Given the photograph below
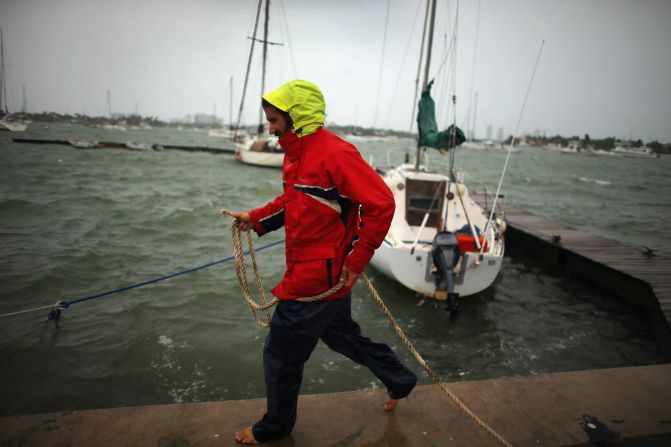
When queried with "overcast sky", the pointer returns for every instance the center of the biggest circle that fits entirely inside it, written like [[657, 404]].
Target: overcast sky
[[605, 69]]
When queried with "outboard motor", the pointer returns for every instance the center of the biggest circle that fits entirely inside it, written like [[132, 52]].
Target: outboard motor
[[445, 253]]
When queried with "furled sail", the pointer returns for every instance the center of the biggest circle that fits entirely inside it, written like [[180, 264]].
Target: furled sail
[[429, 136]]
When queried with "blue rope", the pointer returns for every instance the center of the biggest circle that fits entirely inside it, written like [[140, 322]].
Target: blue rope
[[64, 304]]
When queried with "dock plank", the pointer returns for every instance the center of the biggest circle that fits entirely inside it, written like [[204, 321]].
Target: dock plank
[[627, 260]]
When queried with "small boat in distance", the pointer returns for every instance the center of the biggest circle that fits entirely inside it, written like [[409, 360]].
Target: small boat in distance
[[6, 123], [261, 151], [637, 152], [12, 126]]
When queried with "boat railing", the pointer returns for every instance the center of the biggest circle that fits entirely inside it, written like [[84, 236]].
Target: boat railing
[[486, 193]]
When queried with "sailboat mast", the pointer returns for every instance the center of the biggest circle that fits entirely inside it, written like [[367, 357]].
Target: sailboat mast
[[230, 104], [419, 71], [263, 70], [249, 64], [425, 84], [3, 84]]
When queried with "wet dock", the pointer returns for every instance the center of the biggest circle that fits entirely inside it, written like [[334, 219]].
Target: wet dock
[[633, 273], [626, 406]]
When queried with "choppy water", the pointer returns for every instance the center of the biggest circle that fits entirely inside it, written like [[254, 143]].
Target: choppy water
[[76, 222]]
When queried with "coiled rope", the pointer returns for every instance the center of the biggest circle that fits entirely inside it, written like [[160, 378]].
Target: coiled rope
[[264, 305], [241, 272]]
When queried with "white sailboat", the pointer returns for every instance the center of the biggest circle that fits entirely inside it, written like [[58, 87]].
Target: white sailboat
[[636, 152], [6, 123], [441, 243], [12, 126], [261, 151]]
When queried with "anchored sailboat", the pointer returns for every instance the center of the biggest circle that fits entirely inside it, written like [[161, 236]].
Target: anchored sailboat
[[441, 243], [262, 151], [5, 122]]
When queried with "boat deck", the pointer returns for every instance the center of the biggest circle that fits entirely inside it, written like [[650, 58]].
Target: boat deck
[[633, 404], [629, 272]]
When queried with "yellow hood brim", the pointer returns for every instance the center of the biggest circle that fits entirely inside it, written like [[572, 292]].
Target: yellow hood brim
[[304, 103]]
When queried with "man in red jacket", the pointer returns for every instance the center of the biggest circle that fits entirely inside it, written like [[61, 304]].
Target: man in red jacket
[[336, 211]]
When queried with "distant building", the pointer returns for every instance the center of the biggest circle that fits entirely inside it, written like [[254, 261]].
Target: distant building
[[205, 119]]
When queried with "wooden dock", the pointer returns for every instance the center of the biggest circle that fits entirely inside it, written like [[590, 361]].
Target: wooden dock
[[640, 277], [119, 145]]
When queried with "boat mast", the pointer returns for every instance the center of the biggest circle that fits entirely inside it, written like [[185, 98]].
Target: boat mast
[[263, 69], [3, 84], [413, 118], [249, 64], [230, 104], [427, 65]]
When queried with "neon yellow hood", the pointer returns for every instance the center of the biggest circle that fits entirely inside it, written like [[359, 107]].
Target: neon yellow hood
[[303, 101]]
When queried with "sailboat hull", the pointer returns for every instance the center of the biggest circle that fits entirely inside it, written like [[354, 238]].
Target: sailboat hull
[[261, 152], [12, 126], [414, 271], [406, 253], [267, 159]]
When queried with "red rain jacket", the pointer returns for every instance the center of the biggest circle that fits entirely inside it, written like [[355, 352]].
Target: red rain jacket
[[335, 210]]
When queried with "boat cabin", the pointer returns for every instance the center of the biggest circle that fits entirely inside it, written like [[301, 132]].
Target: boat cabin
[[424, 196]]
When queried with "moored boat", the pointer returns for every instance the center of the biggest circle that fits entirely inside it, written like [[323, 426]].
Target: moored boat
[[431, 222], [637, 152], [261, 152], [441, 243]]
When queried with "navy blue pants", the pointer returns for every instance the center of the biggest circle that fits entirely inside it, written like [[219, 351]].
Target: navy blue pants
[[294, 331]]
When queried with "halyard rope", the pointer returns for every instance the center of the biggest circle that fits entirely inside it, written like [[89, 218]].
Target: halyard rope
[[264, 305]]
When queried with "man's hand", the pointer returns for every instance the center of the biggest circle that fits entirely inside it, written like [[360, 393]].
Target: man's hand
[[242, 220], [349, 276]]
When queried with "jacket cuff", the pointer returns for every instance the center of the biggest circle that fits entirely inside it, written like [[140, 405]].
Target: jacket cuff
[[258, 228], [358, 260]]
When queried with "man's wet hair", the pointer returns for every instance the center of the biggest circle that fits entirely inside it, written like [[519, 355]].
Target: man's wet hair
[[265, 104]]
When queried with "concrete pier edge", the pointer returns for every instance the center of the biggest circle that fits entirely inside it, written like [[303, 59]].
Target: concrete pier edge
[[634, 403]]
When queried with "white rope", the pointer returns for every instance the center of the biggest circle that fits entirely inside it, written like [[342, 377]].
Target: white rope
[[55, 305]]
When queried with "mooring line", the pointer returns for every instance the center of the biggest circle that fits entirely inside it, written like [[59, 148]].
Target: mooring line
[[241, 271], [64, 304]]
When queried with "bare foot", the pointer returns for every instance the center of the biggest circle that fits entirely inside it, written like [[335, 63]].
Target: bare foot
[[246, 437], [391, 404]]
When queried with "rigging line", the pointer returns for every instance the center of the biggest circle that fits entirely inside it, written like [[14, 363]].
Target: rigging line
[[453, 149], [379, 78], [400, 71], [64, 304], [470, 93], [447, 55], [512, 141], [444, 83], [249, 65], [291, 50], [447, 73]]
